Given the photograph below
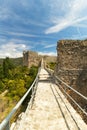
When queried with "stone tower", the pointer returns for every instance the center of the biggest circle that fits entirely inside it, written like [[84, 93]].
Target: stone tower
[[25, 58], [72, 64], [71, 57], [30, 58]]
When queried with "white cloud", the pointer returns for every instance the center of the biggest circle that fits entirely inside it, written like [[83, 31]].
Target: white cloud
[[72, 16], [64, 24], [77, 36], [12, 50], [48, 53], [50, 46], [81, 25], [2, 39], [21, 34], [4, 13]]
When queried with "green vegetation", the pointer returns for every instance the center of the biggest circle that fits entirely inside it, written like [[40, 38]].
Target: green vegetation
[[16, 61], [15, 79], [51, 65], [14, 82]]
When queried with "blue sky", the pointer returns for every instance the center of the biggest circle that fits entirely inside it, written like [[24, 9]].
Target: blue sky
[[38, 24]]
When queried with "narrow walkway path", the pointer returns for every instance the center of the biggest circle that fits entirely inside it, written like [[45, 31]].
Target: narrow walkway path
[[49, 111]]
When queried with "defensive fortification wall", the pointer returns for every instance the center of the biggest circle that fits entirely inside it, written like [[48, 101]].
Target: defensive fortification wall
[[72, 64], [30, 58]]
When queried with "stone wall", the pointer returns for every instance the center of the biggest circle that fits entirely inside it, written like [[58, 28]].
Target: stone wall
[[30, 58], [72, 63]]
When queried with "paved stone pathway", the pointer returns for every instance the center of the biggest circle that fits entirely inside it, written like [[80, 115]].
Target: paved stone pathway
[[49, 112]]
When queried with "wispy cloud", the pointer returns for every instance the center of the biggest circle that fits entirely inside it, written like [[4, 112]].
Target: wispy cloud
[[12, 50], [64, 24], [81, 25], [21, 34], [77, 37], [25, 34], [48, 53], [50, 46], [72, 17], [4, 13], [24, 24]]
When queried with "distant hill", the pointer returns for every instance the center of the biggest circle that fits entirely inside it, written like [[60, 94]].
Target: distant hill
[[49, 59], [34, 57], [16, 61], [1, 61]]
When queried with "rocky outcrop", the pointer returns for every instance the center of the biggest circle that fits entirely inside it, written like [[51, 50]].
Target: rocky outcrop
[[72, 64]]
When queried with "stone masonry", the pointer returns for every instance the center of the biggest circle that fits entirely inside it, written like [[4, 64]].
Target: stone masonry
[[30, 58], [72, 64]]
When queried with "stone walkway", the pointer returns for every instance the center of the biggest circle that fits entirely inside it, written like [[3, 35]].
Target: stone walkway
[[49, 112]]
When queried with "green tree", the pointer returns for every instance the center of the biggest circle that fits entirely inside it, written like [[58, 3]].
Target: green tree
[[1, 72], [7, 65], [33, 71], [52, 65], [2, 86]]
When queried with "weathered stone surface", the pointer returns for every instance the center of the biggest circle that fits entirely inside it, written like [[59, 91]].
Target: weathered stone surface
[[72, 64], [72, 54], [31, 58]]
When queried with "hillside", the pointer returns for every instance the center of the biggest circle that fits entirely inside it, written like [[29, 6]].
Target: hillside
[[49, 59], [31, 58], [15, 61]]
